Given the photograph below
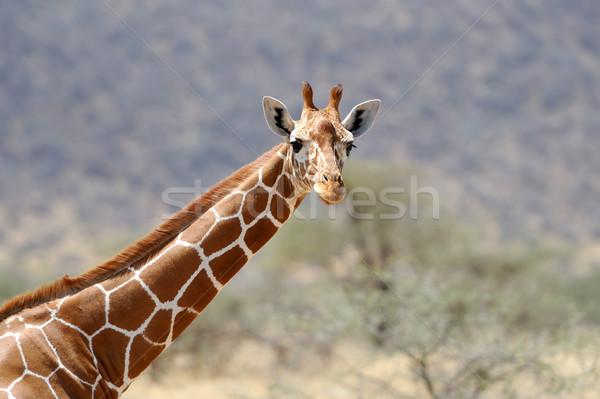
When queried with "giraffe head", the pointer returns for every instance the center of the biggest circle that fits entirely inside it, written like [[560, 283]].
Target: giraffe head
[[319, 142]]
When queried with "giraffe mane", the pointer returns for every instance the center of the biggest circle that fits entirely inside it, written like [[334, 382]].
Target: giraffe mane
[[140, 251]]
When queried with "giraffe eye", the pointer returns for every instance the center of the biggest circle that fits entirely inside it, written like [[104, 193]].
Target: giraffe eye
[[349, 148], [296, 145]]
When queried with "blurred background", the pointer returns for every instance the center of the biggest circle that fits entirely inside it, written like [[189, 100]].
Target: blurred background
[[105, 105]]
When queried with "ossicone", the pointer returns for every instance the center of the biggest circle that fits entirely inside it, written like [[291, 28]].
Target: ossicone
[[307, 95], [335, 97]]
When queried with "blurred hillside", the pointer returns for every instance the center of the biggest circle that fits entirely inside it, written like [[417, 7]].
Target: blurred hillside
[[94, 126]]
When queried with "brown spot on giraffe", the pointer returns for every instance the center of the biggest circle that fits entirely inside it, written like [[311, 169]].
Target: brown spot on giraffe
[[285, 187], [179, 265], [231, 206], [156, 331], [112, 361], [11, 360], [199, 293], [103, 391], [270, 178], [137, 306], [142, 353], [182, 320], [34, 387], [76, 310], [199, 228], [65, 386], [38, 317], [255, 204], [254, 237], [36, 357], [229, 230], [279, 208], [76, 356], [225, 266]]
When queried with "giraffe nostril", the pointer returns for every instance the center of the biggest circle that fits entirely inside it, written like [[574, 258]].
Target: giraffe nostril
[[333, 177]]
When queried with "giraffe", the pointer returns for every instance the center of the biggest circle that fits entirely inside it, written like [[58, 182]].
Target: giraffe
[[90, 336]]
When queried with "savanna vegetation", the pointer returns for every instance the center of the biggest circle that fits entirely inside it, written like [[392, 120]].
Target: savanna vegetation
[[398, 307], [383, 296]]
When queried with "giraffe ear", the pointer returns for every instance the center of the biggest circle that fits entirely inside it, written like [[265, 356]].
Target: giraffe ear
[[277, 116], [360, 119]]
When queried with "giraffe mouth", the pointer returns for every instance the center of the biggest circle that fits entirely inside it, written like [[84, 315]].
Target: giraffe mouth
[[330, 195], [328, 202]]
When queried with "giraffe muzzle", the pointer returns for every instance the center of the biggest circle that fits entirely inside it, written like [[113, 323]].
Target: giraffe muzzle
[[330, 187]]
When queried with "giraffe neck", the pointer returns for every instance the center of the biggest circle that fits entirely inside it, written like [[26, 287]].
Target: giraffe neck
[[116, 328]]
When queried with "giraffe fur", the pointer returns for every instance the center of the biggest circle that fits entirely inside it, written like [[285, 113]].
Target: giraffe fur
[[91, 338]]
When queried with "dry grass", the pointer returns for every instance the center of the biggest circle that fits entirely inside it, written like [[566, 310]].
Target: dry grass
[[350, 371]]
